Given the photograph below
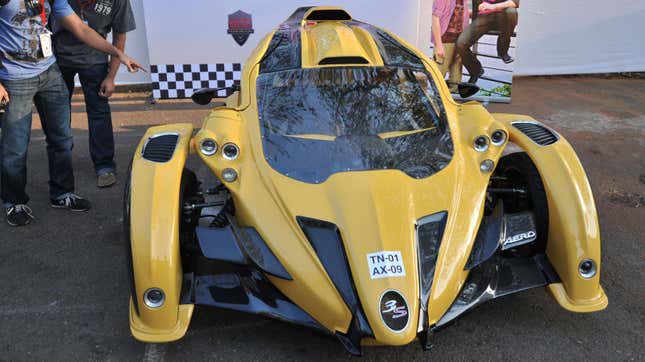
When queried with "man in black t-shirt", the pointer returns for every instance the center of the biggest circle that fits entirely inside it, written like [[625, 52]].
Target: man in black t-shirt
[[500, 15], [96, 75]]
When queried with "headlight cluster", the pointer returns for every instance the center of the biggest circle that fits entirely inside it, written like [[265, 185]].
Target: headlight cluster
[[482, 143], [429, 234], [209, 147], [230, 152]]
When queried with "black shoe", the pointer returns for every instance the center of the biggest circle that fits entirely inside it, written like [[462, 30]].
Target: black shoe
[[72, 202], [19, 215], [507, 58], [474, 78]]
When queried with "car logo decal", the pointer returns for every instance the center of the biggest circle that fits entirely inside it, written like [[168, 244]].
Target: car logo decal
[[394, 310], [240, 26], [519, 239]]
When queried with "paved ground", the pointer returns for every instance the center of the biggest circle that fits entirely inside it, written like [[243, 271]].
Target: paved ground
[[64, 290]]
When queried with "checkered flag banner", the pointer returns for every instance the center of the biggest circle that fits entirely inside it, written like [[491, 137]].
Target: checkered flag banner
[[182, 80]]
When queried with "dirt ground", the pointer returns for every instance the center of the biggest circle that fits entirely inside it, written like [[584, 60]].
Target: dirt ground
[[64, 286]]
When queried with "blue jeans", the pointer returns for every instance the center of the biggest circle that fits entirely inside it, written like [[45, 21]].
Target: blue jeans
[[98, 114], [50, 95]]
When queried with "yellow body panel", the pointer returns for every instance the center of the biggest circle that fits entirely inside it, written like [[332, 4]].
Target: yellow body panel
[[154, 234], [331, 40], [374, 210], [143, 332]]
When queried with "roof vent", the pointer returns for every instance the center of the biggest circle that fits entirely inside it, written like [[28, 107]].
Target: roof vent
[[328, 14], [343, 60]]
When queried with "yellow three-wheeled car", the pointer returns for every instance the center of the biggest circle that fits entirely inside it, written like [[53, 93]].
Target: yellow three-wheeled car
[[355, 197]]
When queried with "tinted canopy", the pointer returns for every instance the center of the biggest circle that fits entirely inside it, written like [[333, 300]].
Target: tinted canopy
[[319, 121]]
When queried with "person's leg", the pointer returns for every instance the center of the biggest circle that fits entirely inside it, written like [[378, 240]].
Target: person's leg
[[99, 118], [442, 63], [52, 102], [470, 35], [68, 77], [16, 131], [506, 23], [454, 65]]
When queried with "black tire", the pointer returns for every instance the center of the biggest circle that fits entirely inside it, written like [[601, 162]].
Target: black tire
[[519, 171], [127, 243], [188, 192]]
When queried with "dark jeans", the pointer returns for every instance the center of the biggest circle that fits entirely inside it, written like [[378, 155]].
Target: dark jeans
[[99, 115], [49, 93], [504, 22]]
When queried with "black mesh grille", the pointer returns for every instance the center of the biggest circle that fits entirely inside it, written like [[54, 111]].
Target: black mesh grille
[[160, 148], [536, 132]]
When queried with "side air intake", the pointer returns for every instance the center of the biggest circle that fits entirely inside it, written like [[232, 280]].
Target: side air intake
[[537, 133], [329, 14], [160, 148]]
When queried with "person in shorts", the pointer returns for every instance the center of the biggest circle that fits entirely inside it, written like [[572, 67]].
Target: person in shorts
[[449, 19]]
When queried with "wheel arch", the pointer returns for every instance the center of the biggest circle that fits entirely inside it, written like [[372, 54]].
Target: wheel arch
[[574, 232], [154, 192]]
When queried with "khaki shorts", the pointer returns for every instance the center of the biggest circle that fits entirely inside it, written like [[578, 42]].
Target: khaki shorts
[[451, 64]]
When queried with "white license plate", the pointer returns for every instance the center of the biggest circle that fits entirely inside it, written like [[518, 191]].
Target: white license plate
[[385, 264]]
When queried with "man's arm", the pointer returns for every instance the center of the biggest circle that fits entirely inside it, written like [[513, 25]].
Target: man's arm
[[4, 96], [436, 35], [107, 87], [84, 33], [499, 6]]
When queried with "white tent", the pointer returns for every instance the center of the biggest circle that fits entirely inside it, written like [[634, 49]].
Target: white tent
[[564, 37]]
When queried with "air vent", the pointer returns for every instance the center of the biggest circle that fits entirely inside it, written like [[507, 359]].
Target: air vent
[[343, 60], [160, 148], [327, 243], [332, 14], [537, 132]]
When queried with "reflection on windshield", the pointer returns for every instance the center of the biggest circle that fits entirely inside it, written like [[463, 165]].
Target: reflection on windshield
[[320, 121]]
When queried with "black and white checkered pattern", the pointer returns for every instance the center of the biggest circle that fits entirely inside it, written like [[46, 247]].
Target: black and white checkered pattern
[[181, 80]]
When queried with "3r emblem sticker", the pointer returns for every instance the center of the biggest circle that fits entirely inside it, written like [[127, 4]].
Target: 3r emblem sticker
[[394, 310]]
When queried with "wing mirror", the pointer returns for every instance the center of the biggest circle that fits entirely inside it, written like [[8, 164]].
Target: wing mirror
[[204, 96], [467, 90]]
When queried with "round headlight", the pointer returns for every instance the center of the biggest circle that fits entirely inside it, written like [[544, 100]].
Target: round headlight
[[487, 166], [230, 151], [208, 147], [229, 175], [498, 137], [154, 297], [587, 268], [481, 143]]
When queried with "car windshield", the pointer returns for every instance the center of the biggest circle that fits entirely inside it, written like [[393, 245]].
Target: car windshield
[[319, 121]]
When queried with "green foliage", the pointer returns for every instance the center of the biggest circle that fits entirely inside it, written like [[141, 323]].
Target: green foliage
[[502, 91]]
